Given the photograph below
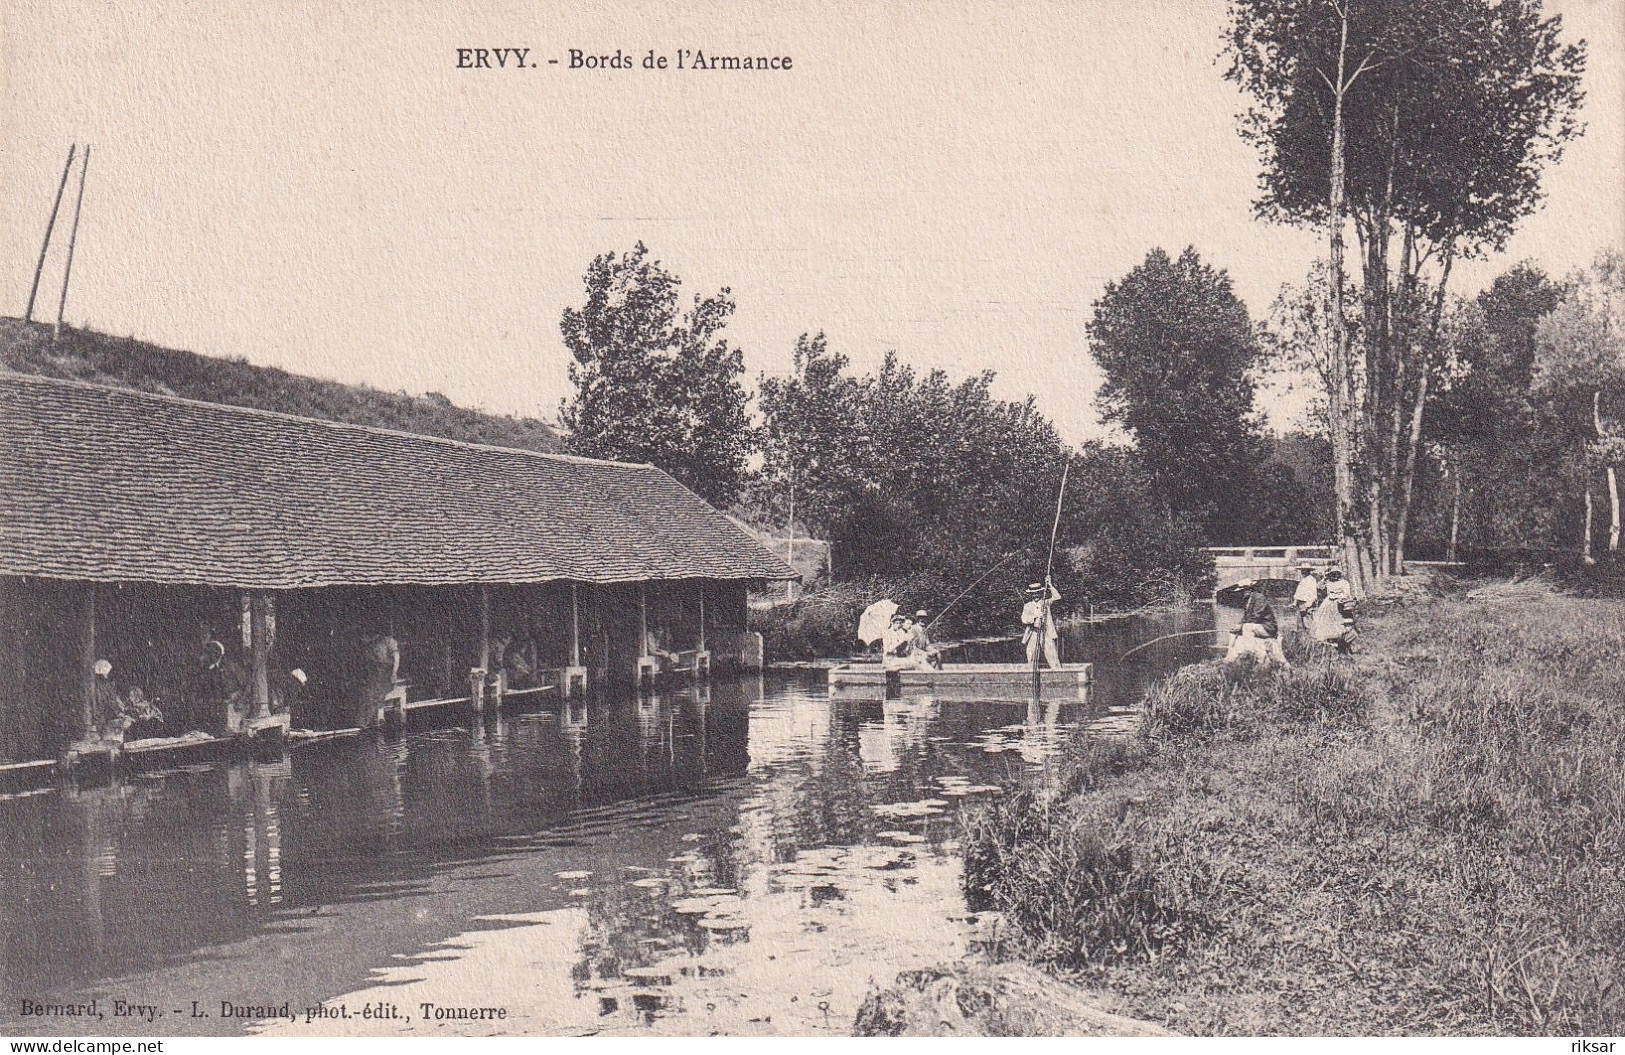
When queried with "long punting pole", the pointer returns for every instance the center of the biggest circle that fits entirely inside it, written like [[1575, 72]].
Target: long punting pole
[[50, 225], [1055, 527], [73, 236], [1049, 566]]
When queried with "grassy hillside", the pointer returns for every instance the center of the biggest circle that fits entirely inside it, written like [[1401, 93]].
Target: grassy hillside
[[84, 355]]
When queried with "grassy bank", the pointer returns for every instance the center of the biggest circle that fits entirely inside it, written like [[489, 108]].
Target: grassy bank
[[1426, 840], [124, 362]]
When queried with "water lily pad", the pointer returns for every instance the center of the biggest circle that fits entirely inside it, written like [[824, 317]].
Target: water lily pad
[[713, 924], [901, 837], [571, 875]]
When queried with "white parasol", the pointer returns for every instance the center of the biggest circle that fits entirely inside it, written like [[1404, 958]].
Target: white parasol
[[875, 619]]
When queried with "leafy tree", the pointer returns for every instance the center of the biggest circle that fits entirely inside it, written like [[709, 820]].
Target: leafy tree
[[1177, 349], [813, 441], [1427, 124], [652, 384], [1128, 553], [909, 474], [1580, 358], [1484, 430]]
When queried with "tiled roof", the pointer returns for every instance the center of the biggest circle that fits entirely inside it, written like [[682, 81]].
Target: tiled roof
[[112, 485]]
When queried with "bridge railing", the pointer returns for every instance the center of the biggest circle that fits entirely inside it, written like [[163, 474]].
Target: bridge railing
[[1288, 554]]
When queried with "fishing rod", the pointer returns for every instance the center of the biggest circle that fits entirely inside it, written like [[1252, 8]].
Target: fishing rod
[[1165, 637], [971, 587]]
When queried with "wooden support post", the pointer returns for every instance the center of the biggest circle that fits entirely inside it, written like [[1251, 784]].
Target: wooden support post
[[477, 691], [643, 620], [647, 666], [575, 674], [702, 616], [73, 237], [259, 630], [575, 627], [87, 663], [50, 225]]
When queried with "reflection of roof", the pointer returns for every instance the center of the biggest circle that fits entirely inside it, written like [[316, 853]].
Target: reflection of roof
[[112, 485]]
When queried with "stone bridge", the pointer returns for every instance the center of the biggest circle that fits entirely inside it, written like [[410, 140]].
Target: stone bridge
[[1232, 564]]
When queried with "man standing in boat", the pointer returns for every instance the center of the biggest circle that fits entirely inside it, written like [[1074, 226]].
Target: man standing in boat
[[1038, 624]]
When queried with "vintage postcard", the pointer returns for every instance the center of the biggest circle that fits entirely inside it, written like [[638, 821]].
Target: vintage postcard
[[811, 519]]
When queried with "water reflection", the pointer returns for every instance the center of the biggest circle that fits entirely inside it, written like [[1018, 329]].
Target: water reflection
[[740, 858]]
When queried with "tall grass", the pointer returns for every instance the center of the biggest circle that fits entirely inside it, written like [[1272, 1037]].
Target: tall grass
[[1430, 840], [124, 362]]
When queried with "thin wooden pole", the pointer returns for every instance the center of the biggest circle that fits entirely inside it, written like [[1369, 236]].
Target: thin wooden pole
[[643, 620], [702, 615], [485, 628], [1055, 528], [50, 225], [575, 627], [87, 662], [73, 236], [259, 630], [1049, 567], [477, 691]]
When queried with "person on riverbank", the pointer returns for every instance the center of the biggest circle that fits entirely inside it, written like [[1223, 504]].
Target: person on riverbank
[[1259, 635], [1334, 619], [1038, 624], [1307, 595]]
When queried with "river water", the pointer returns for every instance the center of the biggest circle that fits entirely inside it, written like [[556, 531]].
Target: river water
[[743, 858]]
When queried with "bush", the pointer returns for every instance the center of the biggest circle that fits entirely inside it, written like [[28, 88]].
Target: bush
[[1075, 891], [1245, 699], [823, 623]]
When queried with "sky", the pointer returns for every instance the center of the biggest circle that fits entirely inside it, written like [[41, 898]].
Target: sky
[[319, 187]]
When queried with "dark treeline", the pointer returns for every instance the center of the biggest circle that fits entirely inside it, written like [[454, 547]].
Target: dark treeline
[[1519, 431], [923, 483]]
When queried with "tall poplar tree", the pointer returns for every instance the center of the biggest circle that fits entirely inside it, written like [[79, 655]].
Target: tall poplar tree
[[1424, 126]]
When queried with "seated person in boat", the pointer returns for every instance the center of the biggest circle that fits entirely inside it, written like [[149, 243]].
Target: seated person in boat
[[1038, 624], [1259, 635], [919, 639], [897, 650]]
